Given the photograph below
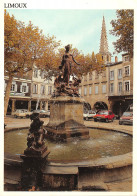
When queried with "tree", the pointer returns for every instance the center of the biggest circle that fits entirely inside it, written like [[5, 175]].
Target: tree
[[123, 28], [24, 46], [88, 63]]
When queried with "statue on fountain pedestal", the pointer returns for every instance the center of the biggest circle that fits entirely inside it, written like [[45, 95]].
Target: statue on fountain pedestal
[[67, 60], [62, 82]]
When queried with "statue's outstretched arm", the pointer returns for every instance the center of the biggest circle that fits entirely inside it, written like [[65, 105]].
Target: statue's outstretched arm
[[75, 61]]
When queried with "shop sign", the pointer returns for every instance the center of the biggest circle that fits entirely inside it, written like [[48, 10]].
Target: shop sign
[[127, 98]]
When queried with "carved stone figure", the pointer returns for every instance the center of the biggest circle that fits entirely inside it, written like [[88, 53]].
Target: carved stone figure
[[36, 138]]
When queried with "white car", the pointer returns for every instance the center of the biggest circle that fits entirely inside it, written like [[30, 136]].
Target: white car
[[42, 113], [21, 113], [89, 114]]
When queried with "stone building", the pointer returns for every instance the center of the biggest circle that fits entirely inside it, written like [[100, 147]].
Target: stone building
[[20, 93], [29, 92], [113, 88], [120, 94], [41, 90]]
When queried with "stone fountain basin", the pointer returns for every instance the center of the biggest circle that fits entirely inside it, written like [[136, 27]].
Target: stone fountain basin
[[87, 174]]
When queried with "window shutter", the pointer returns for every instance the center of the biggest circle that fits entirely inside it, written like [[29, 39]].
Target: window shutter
[[36, 88], [27, 89], [96, 89], [104, 88], [21, 88], [33, 88], [15, 87]]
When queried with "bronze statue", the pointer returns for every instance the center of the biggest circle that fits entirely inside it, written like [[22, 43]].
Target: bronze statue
[[67, 60], [62, 82]]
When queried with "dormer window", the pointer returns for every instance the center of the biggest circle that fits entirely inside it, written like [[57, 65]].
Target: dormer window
[[126, 58]]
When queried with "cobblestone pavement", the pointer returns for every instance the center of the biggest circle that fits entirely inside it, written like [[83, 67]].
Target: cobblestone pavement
[[12, 122]]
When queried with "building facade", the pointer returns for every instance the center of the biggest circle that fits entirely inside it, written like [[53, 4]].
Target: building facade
[[30, 92], [120, 94], [20, 93], [41, 90], [113, 88]]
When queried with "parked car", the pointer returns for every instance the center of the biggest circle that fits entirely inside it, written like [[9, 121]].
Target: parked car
[[126, 118], [21, 113], [88, 114], [43, 113], [104, 115]]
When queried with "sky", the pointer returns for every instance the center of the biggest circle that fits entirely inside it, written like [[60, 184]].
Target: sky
[[79, 27]]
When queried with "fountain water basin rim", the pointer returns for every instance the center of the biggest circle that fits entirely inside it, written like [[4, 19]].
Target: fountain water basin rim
[[107, 162]]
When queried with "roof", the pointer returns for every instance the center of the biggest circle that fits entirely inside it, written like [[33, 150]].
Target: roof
[[112, 64]]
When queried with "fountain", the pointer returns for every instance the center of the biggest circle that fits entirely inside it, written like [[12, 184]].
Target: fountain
[[66, 107], [80, 158]]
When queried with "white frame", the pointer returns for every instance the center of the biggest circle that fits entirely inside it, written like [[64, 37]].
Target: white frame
[[80, 90], [104, 90], [96, 90], [36, 89], [14, 83], [125, 86], [21, 88], [129, 70], [112, 78], [90, 89], [120, 76], [42, 90], [110, 88], [49, 91], [119, 88], [85, 90]]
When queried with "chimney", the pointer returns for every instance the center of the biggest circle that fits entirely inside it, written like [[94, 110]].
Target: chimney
[[116, 59]]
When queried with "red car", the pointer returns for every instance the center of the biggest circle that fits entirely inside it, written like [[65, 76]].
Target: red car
[[104, 115]]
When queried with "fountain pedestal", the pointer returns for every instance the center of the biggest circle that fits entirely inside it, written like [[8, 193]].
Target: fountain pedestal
[[66, 119], [35, 155]]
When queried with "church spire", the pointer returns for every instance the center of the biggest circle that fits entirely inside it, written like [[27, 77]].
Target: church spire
[[104, 51]]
